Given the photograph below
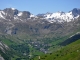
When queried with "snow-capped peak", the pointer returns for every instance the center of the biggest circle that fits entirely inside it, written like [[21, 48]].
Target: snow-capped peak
[[60, 16], [13, 8]]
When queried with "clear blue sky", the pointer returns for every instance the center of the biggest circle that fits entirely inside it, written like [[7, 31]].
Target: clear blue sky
[[41, 6]]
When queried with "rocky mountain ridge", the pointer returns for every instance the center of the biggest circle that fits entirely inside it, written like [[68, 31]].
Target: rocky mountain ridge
[[13, 14], [42, 32], [13, 21]]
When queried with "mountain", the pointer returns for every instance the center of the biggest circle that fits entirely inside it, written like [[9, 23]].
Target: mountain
[[4, 49], [12, 21], [69, 52], [29, 35], [14, 14], [61, 16], [71, 39]]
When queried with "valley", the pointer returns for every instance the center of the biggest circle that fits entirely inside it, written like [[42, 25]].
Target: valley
[[46, 35]]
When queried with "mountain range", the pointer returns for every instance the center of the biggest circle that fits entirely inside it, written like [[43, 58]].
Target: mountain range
[[60, 16], [26, 34]]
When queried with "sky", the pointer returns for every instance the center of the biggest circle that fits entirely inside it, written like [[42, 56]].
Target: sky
[[40, 6]]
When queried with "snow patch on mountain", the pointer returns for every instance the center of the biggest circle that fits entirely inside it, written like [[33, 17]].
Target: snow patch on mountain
[[20, 14], [13, 8], [32, 15], [50, 17], [1, 14], [60, 17], [16, 17]]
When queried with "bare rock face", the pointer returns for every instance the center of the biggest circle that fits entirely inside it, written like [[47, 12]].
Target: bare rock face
[[25, 15], [15, 22], [3, 47], [9, 13], [1, 58], [3, 50], [76, 12]]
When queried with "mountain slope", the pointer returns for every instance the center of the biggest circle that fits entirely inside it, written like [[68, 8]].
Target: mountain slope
[[71, 39], [61, 16], [11, 50], [12, 14], [27, 34], [4, 51], [69, 52]]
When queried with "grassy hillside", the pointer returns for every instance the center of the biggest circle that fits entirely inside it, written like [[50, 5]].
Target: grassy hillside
[[69, 52]]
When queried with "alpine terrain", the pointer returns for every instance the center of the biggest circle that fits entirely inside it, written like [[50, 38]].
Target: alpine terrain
[[25, 36]]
